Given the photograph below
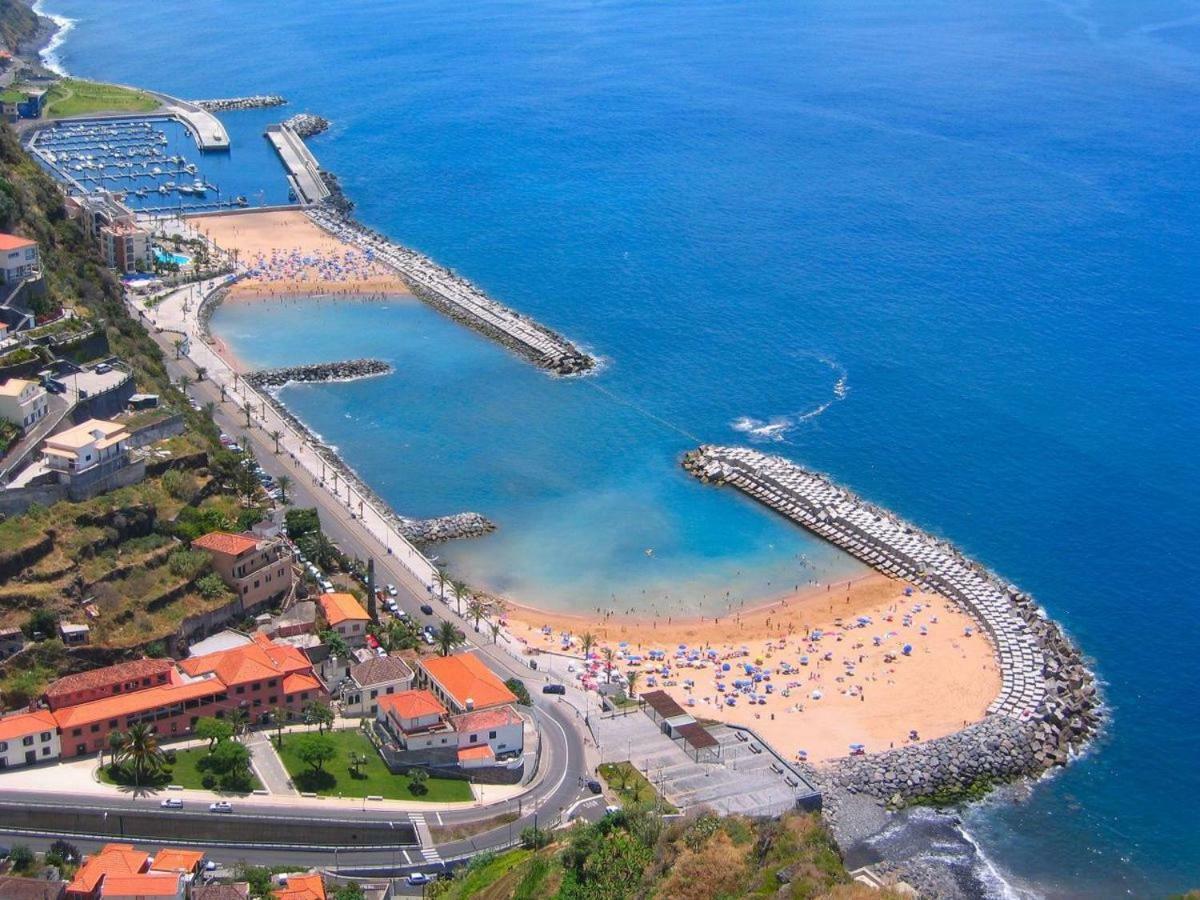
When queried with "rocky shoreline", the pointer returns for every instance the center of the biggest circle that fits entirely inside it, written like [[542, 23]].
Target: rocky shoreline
[[1049, 706], [307, 125], [341, 370]]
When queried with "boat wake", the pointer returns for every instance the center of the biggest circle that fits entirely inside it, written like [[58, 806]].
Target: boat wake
[[778, 428], [49, 54]]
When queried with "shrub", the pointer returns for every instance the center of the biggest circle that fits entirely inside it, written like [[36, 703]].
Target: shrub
[[42, 621], [209, 781], [180, 485], [21, 857], [170, 757], [534, 838], [517, 686], [211, 586], [188, 564]]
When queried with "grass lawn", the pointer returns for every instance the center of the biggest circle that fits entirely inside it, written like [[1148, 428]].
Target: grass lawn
[[631, 786], [186, 772], [373, 777], [76, 97]]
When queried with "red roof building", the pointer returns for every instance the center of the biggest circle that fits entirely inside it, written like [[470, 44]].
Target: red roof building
[[123, 678]]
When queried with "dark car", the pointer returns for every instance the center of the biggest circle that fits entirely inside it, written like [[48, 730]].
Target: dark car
[[427, 609], [554, 689], [594, 786]]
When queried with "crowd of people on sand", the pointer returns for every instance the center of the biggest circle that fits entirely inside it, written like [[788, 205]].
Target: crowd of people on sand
[[328, 268], [779, 675]]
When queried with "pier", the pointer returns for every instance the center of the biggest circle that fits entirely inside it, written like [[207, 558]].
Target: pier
[[304, 173], [206, 128], [461, 300]]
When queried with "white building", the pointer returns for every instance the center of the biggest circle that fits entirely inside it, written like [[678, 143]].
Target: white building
[[28, 738], [23, 402], [419, 722], [368, 682], [77, 450], [18, 258]]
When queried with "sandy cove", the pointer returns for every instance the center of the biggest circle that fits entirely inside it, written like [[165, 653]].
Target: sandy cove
[[289, 255], [868, 693]]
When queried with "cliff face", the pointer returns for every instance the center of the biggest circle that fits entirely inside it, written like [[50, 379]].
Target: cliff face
[[18, 24]]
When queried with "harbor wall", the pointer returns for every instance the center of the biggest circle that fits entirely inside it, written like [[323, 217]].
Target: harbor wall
[[1048, 707]]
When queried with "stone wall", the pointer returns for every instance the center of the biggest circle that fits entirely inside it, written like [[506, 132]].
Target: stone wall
[[157, 431]]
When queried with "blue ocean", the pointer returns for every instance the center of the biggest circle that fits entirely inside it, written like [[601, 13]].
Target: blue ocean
[[947, 252]]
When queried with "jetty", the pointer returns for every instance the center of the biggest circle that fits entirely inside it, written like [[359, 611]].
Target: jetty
[[303, 171], [1048, 706], [307, 125], [460, 299], [314, 373], [226, 104], [208, 132]]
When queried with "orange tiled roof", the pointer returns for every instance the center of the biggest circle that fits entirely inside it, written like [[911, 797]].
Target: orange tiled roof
[[484, 719], [302, 887], [464, 677], [262, 658], [171, 859], [15, 242], [113, 859], [340, 608], [224, 542], [412, 704], [136, 701], [483, 751], [298, 681], [22, 724], [109, 675], [140, 886]]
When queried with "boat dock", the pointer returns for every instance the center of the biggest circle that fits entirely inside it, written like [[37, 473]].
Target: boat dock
[[207, 130], [304, 173], [460, 299], [893, 547]]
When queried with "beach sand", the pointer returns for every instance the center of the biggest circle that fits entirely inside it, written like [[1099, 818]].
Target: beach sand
[[295, 257], [946, 682]]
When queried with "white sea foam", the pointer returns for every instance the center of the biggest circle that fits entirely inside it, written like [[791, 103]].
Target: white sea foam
[[49, 54], [777, 428]]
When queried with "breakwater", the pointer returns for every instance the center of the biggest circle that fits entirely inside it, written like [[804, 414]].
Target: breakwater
[[1048, 706], [461, 300], [304, 173], [306, 124], [342, 370], [257, 101]]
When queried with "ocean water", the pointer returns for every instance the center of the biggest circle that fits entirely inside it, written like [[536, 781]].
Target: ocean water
[[946, 252]]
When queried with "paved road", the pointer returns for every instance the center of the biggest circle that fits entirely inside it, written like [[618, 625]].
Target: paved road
[[268, 765]]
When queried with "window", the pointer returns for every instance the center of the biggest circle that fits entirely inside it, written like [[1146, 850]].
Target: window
[[27, 741], [374, 694], [474, 738], [491, 735], [273, 699], [96, 728], [3, 746], [272, 682], [112, 723], [45, 751], [240, 689], [77, 732]]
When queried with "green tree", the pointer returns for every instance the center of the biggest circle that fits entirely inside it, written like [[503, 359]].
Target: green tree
[[140, 750], [608, 661], [631, 679], [476, 609], [349, 891], [336, 643], [231, 758], [517, 686], [320, 714], [42, 622], [417, 779], [211, 586], [586, 642], [314, 750], [301, 522], [239, 721], [461, 592], [275, 436], [448, 637], [21, 858], [442, 580], [115, 741], [213, 730], [284, 483], [279, 714]]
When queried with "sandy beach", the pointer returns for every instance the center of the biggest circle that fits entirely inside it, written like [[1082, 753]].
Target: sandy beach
[[288, 255], [835, 654]]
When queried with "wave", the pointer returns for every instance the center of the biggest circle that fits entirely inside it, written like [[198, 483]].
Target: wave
[[777, 428], [49, 54]]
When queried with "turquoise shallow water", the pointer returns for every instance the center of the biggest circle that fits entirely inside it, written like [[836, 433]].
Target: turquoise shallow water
[[980, 219]]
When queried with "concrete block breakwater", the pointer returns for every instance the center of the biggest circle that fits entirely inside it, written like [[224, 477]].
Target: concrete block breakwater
[[306, 124], [461, 300], [343, 370], [1048, 706], [258, 101]]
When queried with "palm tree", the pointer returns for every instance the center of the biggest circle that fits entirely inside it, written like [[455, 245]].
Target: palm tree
[[279, 716], [184, 381], [441, 579], [139, 747], [209, 408], [200, 373], [284, 483], [275, 436], [495, 626], [586, 643], [178, 347], [631, 680], [115, 741], [240, 720], [448, 637], [608, 661], [461, 592], [476, 609], [246, 409]]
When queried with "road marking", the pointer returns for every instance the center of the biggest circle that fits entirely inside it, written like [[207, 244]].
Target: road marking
[[438, 816]]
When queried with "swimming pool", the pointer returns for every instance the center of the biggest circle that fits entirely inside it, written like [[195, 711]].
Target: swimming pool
[[178, 258]]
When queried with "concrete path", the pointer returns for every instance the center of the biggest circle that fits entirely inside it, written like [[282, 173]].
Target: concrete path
[[268, 766]]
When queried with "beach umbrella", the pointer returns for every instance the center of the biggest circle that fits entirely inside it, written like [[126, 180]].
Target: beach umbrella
[[906, 649], [725, 667]]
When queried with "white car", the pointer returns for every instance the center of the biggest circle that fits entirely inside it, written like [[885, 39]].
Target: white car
[[391, 589], [172, 803], [417, 878], [221, 806], [609, 810]]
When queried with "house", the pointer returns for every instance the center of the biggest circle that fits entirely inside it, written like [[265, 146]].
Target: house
[[92, 449], [417, 722], [239, 890], [346, 616], [122, 872], [378, 677], [28, 738], [171, 861], [73, 635], [23, 402], [14, 887], [257, 570], [19, 258], [307, 886], [122, 678], [464, 683], [12, 640], [486, 733], [257, 677]]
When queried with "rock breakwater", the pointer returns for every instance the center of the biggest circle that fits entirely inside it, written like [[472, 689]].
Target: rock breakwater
[[460, 299], [307, 125], [445, 528], [225, 104], [342, 370], [1048, 706]]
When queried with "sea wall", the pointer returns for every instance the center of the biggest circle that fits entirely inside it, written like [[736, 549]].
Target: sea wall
[[1048, 706], [460, 299], [343, 370], [224, 104]]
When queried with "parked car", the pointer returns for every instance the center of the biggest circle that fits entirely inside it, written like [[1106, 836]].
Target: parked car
[[609, 810], [417, 878], [554, 689], [594, 786], [391, 589], [172, 803], [427, 638], [427, 609], [221, 806]]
